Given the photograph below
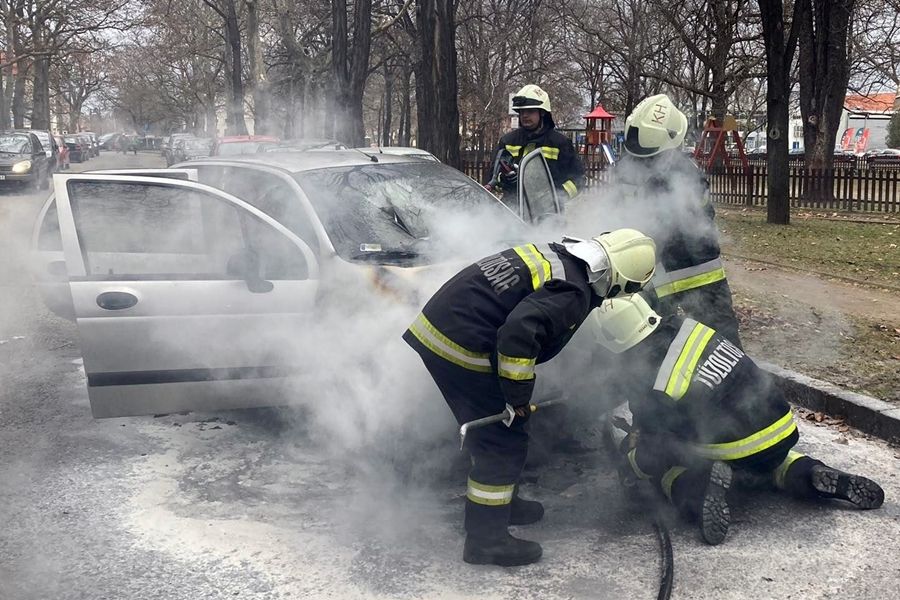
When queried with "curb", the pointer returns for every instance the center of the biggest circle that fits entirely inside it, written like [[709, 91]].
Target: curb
[[865, 413]]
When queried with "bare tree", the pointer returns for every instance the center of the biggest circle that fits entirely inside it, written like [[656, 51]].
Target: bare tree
[[780, 48]]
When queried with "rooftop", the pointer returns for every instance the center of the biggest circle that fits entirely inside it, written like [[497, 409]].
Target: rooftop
[[873, 103]]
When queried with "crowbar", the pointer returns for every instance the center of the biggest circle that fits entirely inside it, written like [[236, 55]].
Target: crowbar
[[506, 417]]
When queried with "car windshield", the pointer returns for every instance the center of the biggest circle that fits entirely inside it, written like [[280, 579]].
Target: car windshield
[[197, 144], [405, 210], [13, 144], [231, 148]]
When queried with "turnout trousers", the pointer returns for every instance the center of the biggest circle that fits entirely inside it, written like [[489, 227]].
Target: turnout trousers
[[498, 452]]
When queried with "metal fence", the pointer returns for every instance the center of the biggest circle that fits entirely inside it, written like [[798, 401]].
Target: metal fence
[[855, 185]]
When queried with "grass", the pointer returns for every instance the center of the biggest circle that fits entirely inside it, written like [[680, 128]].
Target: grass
[[862, 251], [854, 352]]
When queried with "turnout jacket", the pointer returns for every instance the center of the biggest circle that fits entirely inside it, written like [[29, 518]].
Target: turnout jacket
[[565, 166], [506, 313], [670, 199], [707, 391]]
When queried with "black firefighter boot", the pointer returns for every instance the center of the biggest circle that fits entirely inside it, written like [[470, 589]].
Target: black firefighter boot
[[524, 512], [808, 476], [711, 509], [488, 542]]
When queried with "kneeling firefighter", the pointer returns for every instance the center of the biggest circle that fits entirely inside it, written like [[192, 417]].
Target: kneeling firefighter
[[703, 408], [480, 337]]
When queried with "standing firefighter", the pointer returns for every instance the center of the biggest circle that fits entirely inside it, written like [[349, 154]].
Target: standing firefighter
[[664, 191], [703, 408], [481, 336], [537, 130]]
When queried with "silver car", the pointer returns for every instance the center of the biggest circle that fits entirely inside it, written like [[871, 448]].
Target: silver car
[[202, 295]]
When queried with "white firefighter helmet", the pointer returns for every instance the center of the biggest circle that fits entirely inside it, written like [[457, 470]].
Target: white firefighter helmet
[[623, 322], [654, 126], [531, 96], [617, 261]]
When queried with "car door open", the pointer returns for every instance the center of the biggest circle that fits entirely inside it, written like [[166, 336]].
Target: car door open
[[537, 192], [186, 298]]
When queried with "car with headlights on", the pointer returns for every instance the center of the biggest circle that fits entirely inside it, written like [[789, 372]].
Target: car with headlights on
[[23, 160], [205, 286]]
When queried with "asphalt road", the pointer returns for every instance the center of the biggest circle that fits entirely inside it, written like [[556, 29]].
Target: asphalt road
[[258, 504]]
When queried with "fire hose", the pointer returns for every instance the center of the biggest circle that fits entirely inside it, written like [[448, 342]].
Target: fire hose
[[667, 572]]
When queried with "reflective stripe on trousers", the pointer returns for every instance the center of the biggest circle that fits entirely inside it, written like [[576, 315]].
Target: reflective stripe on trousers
[[489, 495], [752, 444]]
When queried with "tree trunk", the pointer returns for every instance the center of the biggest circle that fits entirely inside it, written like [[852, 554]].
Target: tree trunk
[[40, 93], [259, 83], [779, 56], [350, 68], [436, 81], [386, 134], [403, 130], [18, 99], [74, 116], [235, 122], [824, 74]]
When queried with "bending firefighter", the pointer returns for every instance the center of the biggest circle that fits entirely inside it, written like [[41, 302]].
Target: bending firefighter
[[536, 130], [662, 187], [703, 409], [481, 336]]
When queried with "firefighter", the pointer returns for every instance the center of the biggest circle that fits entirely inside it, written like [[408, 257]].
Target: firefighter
[[705, 408], [537, 130], [480, 337], [661, 187]]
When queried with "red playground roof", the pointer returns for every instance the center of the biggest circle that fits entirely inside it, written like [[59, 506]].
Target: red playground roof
[[598, 113]]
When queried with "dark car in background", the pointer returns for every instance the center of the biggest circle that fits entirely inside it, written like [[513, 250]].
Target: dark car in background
[[23, 160], [51, 149], [78, 148], [190, 149], [93, 142]]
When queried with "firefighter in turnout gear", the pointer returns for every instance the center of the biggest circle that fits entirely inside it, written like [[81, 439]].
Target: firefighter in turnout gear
[[480, 337], [537, 130], [663, 190], [703, 408]]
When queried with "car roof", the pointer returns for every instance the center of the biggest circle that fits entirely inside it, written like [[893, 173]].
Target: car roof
[[297, 162], [246, 138]]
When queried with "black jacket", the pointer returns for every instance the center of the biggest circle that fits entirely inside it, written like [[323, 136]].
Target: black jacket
[[565, 165], [506, 313], [668, 200], [687, 379]]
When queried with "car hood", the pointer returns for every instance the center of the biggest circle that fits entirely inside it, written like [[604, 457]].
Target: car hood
[[11, 160]]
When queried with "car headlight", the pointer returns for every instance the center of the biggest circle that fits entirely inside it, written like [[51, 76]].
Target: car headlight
[[22, 167]]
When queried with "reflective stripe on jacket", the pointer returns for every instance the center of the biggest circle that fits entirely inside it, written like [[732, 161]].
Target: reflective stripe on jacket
[[507, 313]]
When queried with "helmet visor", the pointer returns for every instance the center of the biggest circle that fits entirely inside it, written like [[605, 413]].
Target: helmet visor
[[633, 144], [525, 102]]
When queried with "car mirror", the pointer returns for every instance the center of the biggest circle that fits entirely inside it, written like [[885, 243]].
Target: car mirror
[[245, 265]]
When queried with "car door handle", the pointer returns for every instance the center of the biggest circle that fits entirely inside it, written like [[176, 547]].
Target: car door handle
[[116, 300]]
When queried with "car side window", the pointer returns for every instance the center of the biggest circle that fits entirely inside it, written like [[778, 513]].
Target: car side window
[[149, 231], [273, 196]]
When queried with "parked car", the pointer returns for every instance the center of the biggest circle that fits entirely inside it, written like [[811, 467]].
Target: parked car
[[93, 142], [401, 151], [107, 141], [254, 259], [23, 160], [168, 146], [242, 144], [64, 163], [51, 149], [78, 150], [304, 145], [884, 157], [191, 148]]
